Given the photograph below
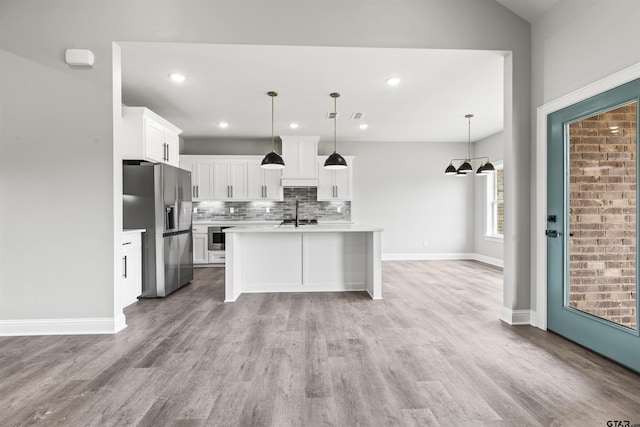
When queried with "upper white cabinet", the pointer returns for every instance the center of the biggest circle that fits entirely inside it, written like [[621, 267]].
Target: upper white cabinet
[[147, 136], [335, 184], [263, 184], [299, 154], [230, 179], [201, 176]]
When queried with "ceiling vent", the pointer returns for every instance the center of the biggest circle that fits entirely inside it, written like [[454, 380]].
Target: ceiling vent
[[332, 115], [357, 116]]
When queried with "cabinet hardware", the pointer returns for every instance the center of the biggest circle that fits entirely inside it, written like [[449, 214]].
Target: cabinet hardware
[[231, 191], [197, 191], [124, 270], [126, 243], [552, 233], [193, 191]]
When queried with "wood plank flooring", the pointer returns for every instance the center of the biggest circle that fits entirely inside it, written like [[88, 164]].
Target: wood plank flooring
[[431, 353]]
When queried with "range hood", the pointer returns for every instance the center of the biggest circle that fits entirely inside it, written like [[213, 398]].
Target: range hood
[[300, 154]]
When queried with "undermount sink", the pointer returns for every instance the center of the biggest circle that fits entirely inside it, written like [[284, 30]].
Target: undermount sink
[[294, 226]]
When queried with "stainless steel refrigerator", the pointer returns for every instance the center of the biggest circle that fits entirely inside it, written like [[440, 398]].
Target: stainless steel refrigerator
[[157, 197]]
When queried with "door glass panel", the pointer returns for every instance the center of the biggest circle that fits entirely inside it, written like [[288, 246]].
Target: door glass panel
[[602, 215]]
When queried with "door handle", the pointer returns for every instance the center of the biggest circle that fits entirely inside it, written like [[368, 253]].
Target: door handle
[[552, 233]]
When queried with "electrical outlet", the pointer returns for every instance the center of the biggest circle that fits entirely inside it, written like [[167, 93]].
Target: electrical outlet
[[195, 210], [425, 243], [339, 209], [231, 210], [268, 209]]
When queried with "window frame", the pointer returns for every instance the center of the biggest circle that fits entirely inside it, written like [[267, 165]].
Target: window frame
[[491, 205]]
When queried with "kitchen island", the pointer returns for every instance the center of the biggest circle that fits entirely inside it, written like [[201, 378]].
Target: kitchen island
[[312, 258]]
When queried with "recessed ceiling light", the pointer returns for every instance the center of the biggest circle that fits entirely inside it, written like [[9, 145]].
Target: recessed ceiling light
[[223, 125], [394, 81], [177, 77], [363, 126], [293, 125]]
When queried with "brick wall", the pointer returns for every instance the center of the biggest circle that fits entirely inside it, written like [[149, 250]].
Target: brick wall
[[602, 215]]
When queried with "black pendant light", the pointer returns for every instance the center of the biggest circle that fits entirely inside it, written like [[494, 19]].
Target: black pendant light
[[465, 167], [335, 160], [272, 160]]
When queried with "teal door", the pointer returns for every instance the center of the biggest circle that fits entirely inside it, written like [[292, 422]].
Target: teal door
[[592, 280]]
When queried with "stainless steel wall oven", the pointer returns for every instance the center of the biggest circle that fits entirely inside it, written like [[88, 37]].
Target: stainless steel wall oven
[[215, 238]]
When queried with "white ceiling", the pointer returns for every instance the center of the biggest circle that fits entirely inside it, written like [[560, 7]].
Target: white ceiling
[[530, 10], [229, 83]]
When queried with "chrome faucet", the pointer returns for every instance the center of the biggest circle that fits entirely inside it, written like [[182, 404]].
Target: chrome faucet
[[297, 206]]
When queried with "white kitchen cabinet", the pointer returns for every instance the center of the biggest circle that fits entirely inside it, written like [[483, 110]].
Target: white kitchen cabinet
[[201, 176], [131, 267], [147, 136], [200, 245], [299, 154], [335, 184], [263, 184], [230, 179]]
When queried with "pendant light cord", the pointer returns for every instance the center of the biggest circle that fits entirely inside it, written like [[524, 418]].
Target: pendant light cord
[[469, 140], [273, 143], [335, 124]]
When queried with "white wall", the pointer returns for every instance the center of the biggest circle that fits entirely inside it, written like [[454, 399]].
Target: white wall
[[57, 161], [402, 187], [491, 147], [573, 45]]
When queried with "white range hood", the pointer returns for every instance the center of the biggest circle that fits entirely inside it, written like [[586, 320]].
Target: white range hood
[[300, 155]]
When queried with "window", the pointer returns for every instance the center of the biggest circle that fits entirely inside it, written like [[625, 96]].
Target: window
[[495, 203]]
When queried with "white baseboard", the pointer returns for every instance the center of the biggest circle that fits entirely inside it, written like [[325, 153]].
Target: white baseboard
[[516, 317], [87, 326], [436, 256]]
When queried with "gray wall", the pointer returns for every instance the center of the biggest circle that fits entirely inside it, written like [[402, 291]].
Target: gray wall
[[57, 140], [491, 147], [575, 44]]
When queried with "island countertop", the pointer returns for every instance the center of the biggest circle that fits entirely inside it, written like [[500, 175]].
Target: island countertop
[[289, 228]]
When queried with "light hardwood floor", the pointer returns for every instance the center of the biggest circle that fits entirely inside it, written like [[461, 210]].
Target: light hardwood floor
[[432, 353]]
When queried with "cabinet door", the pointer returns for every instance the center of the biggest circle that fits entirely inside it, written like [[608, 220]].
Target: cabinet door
[[173, 147], [325, 182], [272, 185], [255, 183], [221, 182], [238, 180], [191, 166], [200, 251], [204, 180], [342, 184], [154, 141]]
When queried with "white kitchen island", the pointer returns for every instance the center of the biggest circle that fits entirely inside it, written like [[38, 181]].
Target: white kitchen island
[[311, 258]]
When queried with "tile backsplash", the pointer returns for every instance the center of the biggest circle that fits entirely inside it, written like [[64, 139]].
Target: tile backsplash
[[309, 208]]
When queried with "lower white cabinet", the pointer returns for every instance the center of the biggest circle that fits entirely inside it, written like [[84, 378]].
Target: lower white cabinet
[[131, 267], [200, 245]]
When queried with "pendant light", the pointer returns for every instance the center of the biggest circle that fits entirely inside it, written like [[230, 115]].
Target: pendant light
[[272, 160], [335, 160], [465, 167]]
